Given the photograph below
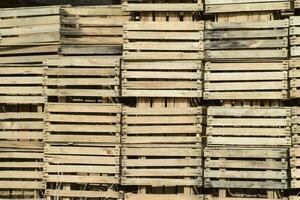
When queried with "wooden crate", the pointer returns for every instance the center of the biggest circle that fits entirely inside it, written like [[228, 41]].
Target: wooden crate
[[28, 27], [246, 80], [209, 197], [21, 83], [147, 5], [21, 155], [162, 79], [296, 126], [249, 168], [162, 146], [133, 196], [294, 197], [246, 40], [82, 149], [294, 76], [159, 40], [162, 126], [216, 6], [295, 167], [92, 30], [241, 126], [83, 123], [82, 77], [162, 166], [294, 36], [296, 4], [29, 35]]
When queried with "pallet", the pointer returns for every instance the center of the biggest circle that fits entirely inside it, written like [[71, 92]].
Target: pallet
[[295, 126], [246, 80], [21, 155], [21, 83], [147, 6], [295, 167], [249, 168], [92, 30], [246, 40], [296, 4], [82, 150], [82, 77], [159, 40], [229, 6], [133, 196], [241, 126], [30, 26], [162, 79]]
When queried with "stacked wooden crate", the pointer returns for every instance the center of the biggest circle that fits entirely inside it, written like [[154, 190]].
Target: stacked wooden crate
[[162, 68], [83, 118], [246, 69], [92, 30], [28, 35]]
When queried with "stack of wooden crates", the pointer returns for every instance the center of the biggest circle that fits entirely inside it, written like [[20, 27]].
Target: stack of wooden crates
[[28, 36], [162, 132], [246, 70]]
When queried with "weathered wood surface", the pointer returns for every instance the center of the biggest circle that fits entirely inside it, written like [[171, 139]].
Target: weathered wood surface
[[294, 76], [162, 79], [295, 167], [246, 80], [162, 126], [21, 155], [240, 126], [162, 166], [294, 36], [132, 196], [29, 26], [247, 168], [95, 30], [246, 40], [296, 126], [21, 83], [83, 123], [147, 5], [82, 77], [159, 40], [223, 6]]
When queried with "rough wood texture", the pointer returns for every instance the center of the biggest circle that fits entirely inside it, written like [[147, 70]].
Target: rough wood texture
[[246, 80], [159, 40], [21, 155], [92, 30], [294, 76], [173, 5], [246, 40], [247, 168], [295, 167], [162, 79], [131, 196], [82, 149], [296, 126], [21, 83], [82, 77], [240, 126], [294, 36], [162, 146], [223, 6]]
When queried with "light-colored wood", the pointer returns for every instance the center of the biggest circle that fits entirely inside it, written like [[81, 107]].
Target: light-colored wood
[[93, 30], [249, 40], [240, 126], [217, 6], [235, 168], [82, 77]]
